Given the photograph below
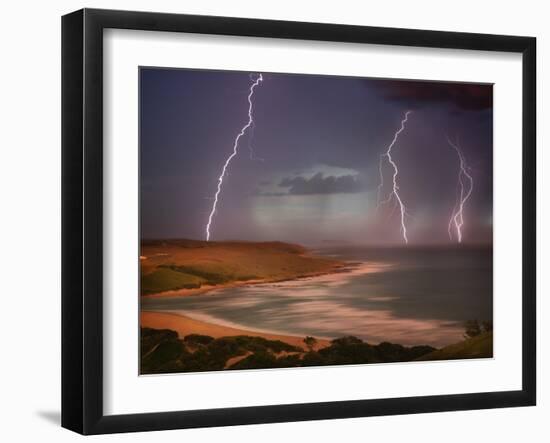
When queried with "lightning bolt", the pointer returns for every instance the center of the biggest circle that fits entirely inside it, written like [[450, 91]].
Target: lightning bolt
[[243, 130], [253, 155], [457, 216], [395, 189]]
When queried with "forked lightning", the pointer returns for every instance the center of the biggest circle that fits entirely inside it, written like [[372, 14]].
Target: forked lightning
[[249, 124]]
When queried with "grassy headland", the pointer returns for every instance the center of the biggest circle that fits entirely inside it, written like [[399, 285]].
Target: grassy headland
[[480, 346], [181, 267], [164, 351]]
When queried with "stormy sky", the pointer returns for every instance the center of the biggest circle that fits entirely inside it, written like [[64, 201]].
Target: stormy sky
[[309, 170]]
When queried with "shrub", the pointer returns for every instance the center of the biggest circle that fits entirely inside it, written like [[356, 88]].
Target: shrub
[[258, 360], [313, 359], [166, 354], [346, 341], [310, 342], [197, 339], [418, 351], [349, 352], [151, 337], [487, 326], [472, 329]]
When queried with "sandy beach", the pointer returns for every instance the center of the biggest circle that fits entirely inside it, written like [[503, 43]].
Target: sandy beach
[[185, 326]]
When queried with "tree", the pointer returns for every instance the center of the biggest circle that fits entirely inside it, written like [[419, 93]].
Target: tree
[[487, 326], [310, 342], [472, 329]]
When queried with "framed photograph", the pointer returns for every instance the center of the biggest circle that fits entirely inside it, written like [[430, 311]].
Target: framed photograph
[[269, 221]]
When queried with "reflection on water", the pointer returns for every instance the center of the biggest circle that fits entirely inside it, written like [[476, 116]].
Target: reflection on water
[[408, 296]]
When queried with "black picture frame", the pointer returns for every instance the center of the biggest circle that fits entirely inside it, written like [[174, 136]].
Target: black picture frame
[[82, 220]]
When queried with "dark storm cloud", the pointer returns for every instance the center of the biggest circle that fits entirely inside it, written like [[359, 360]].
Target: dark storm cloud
[[464, 96], [321, 184]]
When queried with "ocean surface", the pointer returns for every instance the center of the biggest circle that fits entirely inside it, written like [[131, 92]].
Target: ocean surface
[[409, 296]]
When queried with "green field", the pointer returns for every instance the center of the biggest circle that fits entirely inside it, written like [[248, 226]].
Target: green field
[[480, 346], [165, 278], [188, 264]]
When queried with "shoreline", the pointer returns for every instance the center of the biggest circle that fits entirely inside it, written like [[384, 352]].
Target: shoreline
[[342, 267], [185, 326]]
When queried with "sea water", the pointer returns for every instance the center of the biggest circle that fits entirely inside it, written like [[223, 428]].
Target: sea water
[[409, 296]]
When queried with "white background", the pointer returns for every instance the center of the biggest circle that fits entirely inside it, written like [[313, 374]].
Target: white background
[[30, 190]]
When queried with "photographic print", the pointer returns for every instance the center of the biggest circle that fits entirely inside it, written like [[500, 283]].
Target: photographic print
[[292, 220]]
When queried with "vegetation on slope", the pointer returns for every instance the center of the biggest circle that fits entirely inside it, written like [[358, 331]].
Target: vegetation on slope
[[163, 352], [165, 278], [188, 264], [479, 346]]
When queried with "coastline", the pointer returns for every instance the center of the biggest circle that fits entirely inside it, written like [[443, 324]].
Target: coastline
[[338, 268], [185, 326], [235, 322]]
